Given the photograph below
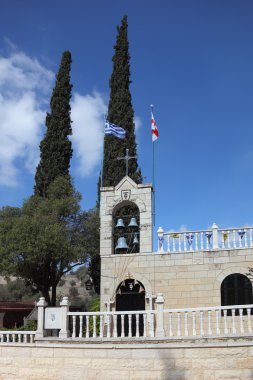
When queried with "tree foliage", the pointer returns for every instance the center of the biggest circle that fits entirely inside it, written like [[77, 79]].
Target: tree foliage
[[120, 112], [43, 240], [55, 148]]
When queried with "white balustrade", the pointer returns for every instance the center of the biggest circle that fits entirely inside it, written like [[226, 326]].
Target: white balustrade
[[212, 239], [20, 337], [209, 322]]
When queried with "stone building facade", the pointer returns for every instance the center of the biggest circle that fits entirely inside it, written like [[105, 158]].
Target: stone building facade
[[186, 279]]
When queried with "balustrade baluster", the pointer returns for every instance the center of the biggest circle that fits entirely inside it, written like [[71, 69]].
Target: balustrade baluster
[[101, 321], [194, 323], [8, 338], [81, 326], [249, 320], [137, 326], [87, 326], [145, 325], [108, 327], [115, 325], [250, 237], [209, 322], [246, 238], [170, 325], [228, 238], [217, 314], [129, 325], [223, 240], [241, 321], [94, 335], [186, 323], [234, 239], [179, 243], [201, 240], [185, 247], [168, 242], [178, 324], [13, 338], [233, 322], [1, 338], [31, 338], [25, 338], [74, 326], [122, 326], [173, 245], [240, 240], [19, 338], [201, 323], [196, 242], [152, 326], [225, 322]]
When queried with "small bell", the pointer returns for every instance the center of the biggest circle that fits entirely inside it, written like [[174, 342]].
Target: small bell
[[122, 244], [133, 222], [135, 241], [120, 223]]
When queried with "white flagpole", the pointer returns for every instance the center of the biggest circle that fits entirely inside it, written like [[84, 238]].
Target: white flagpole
[[103, 148], [153, 166]]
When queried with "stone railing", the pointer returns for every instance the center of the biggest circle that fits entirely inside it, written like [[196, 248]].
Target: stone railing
[[211, 239], [193, 323], [17, 336], [209, 322]]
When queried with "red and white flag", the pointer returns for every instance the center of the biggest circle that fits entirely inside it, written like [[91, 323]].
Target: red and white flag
[[154, 129]]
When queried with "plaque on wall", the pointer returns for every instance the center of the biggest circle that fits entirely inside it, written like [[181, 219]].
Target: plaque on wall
[[125, 195], [53, 318]]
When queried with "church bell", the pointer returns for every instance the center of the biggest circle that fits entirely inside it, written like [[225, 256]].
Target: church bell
[[133, 223], [122, 244], [120, 223], [135, 241]]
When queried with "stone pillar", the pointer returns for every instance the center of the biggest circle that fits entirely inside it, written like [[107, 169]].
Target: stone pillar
[[215, 236], [41, 312], [160, 233], [64, 332], [159, 323]]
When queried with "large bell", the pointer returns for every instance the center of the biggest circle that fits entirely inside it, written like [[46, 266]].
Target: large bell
[[120, 223], [135, 241], [122, 244], [133, 223]]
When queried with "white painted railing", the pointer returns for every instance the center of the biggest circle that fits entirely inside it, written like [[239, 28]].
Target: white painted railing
[[17, 336], [220, 321], [125, 324], [210, 239]]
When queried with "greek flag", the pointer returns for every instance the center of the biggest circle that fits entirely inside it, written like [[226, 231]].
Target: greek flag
[[115, 130]]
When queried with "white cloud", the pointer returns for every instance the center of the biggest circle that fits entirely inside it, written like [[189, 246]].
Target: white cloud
[[88, 130], [23, 84]]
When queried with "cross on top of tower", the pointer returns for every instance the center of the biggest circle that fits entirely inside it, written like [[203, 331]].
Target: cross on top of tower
[[126, 158]]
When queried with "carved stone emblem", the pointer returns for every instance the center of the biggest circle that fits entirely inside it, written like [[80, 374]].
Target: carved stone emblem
[[125, 195]]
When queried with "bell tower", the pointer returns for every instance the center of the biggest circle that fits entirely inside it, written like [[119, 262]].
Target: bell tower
[[126, 218]]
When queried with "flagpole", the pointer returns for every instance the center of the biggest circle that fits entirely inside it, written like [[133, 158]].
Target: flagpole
[[103, 148], [153, 170]]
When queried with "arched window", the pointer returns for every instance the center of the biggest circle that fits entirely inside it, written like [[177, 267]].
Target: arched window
[[236, 289], [126, 230]]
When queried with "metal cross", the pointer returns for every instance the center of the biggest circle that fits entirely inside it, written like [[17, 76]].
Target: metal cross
[[126, 158]]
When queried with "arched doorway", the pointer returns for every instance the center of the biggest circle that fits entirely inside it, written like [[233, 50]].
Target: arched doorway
[[130, 296], [236, 289]]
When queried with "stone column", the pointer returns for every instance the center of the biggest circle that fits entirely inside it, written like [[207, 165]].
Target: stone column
[[160, 233], [159, 323], [215, 236], [64, 332], [41, 312]]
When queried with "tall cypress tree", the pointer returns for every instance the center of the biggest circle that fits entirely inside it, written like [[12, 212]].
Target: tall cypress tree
[[56, 148], [121, 113]]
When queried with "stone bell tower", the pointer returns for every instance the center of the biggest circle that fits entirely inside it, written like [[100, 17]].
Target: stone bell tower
[[114, 262]]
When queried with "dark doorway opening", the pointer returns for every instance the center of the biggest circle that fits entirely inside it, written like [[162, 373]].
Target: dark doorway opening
[[130, 297], [236, 289]]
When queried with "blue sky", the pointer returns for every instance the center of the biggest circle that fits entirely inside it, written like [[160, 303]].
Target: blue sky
[[192, 59]]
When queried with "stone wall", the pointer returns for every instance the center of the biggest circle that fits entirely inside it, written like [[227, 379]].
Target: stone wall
[[167, 361], [191, 279]]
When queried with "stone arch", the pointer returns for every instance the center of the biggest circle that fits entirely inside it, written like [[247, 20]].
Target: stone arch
[[224, 273], [118, 202]]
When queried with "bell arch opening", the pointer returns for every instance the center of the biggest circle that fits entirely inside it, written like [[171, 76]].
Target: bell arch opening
[[126, 228], [130, 296]]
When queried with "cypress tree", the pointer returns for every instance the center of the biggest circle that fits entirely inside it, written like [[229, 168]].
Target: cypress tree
[[56, 148], [121, 113]]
